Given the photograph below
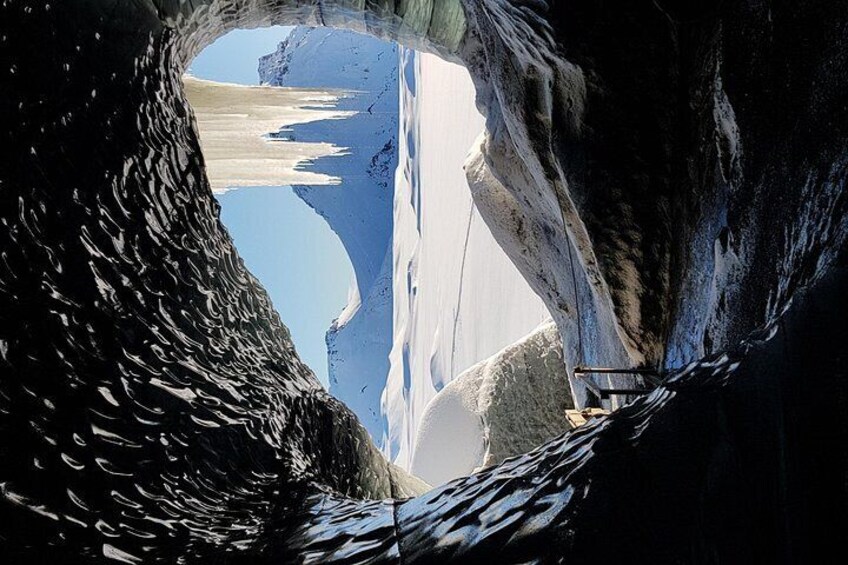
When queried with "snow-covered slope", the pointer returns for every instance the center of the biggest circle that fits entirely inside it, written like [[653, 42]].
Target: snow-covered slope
[[501, 407], [359, 208], [457, 297], [427, 272]]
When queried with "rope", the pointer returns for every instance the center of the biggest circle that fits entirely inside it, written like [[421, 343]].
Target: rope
[[648, 374], [579, 367], [580, 359], [569, 244]]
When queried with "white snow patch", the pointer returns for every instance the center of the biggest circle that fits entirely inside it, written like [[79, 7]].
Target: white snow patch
[[450, 440], [501, 407], [458, 298]]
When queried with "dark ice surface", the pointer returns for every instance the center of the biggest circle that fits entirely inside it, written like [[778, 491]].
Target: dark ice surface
[[152, 406]]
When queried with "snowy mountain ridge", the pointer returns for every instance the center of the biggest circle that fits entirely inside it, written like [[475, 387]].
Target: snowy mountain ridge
[[359, 208]]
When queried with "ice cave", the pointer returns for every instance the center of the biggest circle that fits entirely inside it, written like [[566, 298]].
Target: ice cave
[[598, 311]]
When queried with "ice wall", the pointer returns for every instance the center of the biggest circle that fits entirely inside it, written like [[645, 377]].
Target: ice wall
[[457, 297], [427, 270]]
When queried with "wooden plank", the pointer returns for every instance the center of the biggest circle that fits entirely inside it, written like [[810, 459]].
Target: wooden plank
[[577, 418]]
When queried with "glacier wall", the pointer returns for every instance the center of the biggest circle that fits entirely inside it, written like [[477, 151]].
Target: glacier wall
[[448, 269], [358, 208]]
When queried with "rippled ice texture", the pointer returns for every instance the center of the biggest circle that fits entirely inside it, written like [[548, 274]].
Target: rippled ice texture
[[152, 407]]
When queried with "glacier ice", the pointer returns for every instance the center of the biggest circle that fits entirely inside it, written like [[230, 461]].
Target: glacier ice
[[235, 124], [707, 241], [501, 407]]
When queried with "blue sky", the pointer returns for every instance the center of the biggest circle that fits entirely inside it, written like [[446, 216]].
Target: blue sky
[[235, 57], [289, 247]]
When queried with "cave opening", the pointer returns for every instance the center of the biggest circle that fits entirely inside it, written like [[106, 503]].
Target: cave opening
[[373, 138]]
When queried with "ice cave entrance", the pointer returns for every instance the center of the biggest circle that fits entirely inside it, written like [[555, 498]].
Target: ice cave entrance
[[342, 159]]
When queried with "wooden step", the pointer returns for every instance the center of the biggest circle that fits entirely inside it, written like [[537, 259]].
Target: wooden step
[[577, 418]]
